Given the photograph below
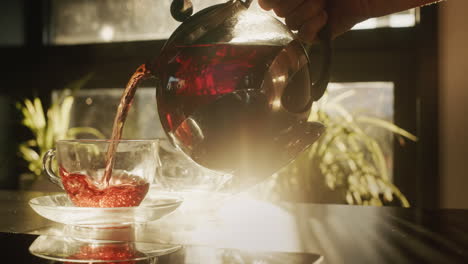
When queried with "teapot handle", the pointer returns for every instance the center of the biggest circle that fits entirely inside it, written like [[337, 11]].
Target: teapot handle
[[318, 87]]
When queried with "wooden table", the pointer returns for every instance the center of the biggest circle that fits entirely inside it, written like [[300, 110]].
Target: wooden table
[[338, 233]]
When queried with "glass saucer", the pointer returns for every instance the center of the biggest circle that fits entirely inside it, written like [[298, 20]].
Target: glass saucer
[[69, 250], [59, 208]]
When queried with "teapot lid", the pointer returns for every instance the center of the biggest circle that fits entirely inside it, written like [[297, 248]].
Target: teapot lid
[[231, 22]]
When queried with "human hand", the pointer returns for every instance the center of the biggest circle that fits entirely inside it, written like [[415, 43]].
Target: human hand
[[310, 16]]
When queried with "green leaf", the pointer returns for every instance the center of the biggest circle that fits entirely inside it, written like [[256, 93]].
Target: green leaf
[[387, 125], [342, 96], [35, 115], [28, 153], [28, 112], [78, 84], [53, 116], [31, 143], [74, 131], [49, 135], [40, 118], [378, 157], [341, 111], [65, 112]]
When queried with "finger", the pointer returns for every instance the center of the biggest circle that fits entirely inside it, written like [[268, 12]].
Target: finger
[[284, 8], [309, 30], [268, 4], [303, 13]]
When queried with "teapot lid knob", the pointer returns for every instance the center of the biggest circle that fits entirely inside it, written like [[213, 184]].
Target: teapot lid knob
[[181, 10]]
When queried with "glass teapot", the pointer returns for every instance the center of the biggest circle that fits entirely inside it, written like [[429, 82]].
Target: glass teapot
[[234, 90]]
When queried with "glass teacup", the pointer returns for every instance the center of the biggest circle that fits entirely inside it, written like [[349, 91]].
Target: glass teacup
[[82, 163]]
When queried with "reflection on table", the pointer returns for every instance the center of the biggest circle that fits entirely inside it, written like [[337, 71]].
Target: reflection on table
[[246, 230]]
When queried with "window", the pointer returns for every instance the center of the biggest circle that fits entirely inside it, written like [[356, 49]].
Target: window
[[402, 19], [85, 21], [11, 23]]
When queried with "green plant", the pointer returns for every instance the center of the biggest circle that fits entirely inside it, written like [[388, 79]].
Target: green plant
[[48, 127], [350, 161]]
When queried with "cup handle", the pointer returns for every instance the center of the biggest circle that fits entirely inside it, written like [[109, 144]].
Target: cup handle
[[47, 166]]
